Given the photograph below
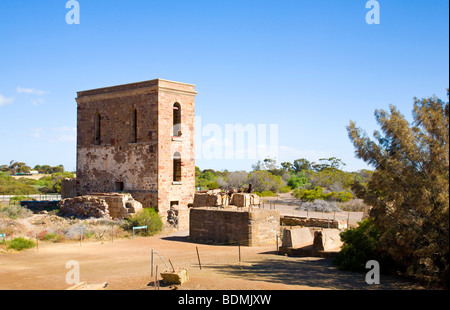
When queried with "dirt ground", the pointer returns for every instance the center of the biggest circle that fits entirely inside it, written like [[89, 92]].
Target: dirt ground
[[125, 264]]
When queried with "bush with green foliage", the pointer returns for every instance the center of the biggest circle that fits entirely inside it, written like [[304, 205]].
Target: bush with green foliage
[[361, 244], [147, 217], [20, 244], [298, 180], [14, 211], [317, 193], [265, 194]]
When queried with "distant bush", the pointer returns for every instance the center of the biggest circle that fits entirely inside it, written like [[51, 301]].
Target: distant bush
[[319, 206], [147, 217], [354, 205], [213, 185], [298, 180], [17, 198], [265, 194], [317, 193], [15, 212], [285, 189], [20, 244]]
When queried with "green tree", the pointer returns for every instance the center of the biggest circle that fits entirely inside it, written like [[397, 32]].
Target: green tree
[[409, 189], [301, 164]]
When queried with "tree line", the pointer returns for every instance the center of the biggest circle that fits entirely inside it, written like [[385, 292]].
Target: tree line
[[20, 168], [49, 183], [307, 181]]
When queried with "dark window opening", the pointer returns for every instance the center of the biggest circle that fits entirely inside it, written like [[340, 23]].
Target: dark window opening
[[177, 120], [133, 126], [97, 129], [174, 203], [118, 186], [177, 167]]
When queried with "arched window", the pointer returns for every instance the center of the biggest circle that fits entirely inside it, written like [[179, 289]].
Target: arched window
[[133, 126], [97, 129], [177, 167], [176, 120]]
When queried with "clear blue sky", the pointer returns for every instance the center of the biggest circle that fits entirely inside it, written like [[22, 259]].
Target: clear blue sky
[[308, 66]]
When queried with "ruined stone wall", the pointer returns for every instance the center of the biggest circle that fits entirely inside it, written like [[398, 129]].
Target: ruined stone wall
[[68, 188], [312, 222], [249, 228]]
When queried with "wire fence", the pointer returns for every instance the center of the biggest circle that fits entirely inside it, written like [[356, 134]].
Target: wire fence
[[40, 197]]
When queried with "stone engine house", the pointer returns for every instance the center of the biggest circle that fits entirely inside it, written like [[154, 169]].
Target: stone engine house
[[138, 138]]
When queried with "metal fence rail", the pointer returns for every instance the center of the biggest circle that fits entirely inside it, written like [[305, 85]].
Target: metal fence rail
[[49, 197]]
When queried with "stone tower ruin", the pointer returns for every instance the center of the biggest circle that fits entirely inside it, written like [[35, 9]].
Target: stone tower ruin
[[139, 139]]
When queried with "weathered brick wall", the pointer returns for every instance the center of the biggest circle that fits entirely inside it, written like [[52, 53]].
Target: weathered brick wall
[[249, 228], [144, 167]]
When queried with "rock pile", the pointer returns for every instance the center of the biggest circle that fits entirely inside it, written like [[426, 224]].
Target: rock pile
[[84, 207]]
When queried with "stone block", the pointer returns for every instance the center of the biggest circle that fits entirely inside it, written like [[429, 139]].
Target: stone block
[[327, 239], [296, 237]]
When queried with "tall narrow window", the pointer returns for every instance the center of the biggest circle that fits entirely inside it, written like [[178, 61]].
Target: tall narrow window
[[177, 120], [177, 167], [97, 129], [133, 126]]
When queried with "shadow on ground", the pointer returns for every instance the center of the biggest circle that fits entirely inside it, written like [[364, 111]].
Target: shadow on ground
[[320, 273]]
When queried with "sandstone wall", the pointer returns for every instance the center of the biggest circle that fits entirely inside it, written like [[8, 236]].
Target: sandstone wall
[[312, 222], [228, 226]]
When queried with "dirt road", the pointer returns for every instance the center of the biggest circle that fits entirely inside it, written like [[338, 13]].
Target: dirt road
[[126, 264]]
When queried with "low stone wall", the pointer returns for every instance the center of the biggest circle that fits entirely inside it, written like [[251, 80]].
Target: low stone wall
[[120, 204], [106, 205], [244, 226], [312, 222]]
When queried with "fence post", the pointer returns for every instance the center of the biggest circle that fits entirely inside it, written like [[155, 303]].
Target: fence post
[[277, 245], [152, 264], [198, 257], [239, 246]]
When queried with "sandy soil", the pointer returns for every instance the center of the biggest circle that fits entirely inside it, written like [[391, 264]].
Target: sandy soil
[[126, 264]]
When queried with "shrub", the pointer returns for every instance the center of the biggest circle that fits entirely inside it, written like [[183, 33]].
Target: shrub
[[267, 194], [285, 189], [147, 217], [213, 185], [20, 244], [361, 245], [298, 180], [17, 198], [14, 212], [320, 206]]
